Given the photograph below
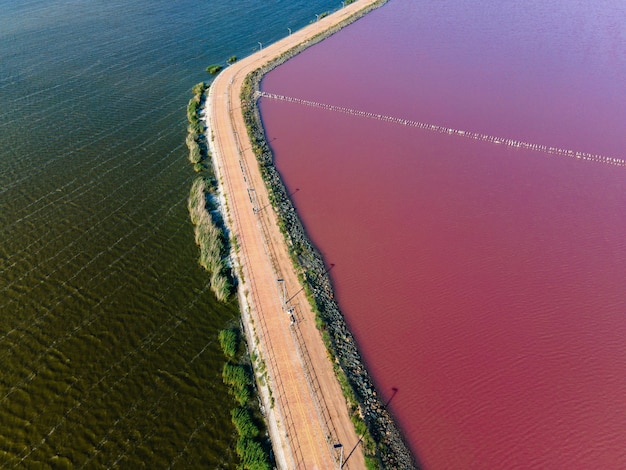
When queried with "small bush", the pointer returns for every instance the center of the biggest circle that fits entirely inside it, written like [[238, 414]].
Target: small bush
[[235, 374], [230, 340], [192, 109], [252, 455], [214, 69], [199, 88], [232, 59], [194, 153], [238, 378], [195, 127], [242, 419], [192, 139], [210, 238], [221, 285]]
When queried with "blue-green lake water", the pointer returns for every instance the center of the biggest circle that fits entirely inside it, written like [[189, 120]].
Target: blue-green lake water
[[108, 351]]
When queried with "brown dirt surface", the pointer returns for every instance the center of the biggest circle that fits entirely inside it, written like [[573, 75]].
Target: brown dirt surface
[[309, 414]]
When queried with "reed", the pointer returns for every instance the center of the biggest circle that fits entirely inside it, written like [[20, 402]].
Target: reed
[[242, 420], [195, 129], [191, 139], [199, 88], [253, 446], [239, 379], [192, 108], [214, 69], [222, 285], [211, 240], [230, 340], [252, 455], [209, 230], [194, 153]]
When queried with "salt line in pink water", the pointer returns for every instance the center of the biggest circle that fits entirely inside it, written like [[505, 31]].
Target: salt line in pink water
[[447, 130]]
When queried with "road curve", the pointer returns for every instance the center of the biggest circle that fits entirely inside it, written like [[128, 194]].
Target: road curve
[[309, 414]]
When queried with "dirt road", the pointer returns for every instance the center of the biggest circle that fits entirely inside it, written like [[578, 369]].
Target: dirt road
[[308, 416]]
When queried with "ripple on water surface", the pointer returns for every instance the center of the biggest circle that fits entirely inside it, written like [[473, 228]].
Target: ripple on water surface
[[108, 329], [484, 281]]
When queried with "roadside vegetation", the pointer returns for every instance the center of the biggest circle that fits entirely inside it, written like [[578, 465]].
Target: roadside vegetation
[[253, 444], [209, 229], [209, 235], [214, 69], [196, 142]]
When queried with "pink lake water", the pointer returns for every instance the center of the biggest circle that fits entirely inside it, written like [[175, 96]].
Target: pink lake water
[[485, 282]]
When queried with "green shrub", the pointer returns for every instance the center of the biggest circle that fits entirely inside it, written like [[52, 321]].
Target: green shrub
[[192, 109], [242, 419], [214, 69], [199, 88], [192, 139], [232, 59], [221, 285], [195, 127], [252, 455], [235, 374], [238, 378], [211, 240], [230, 340], [371, 463], [194, 153]]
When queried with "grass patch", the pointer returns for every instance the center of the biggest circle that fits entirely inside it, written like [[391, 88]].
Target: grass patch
[[252, 455], [238, 377], [209, 229], [214, 69], [211, 240], [243, 422], [253, 446], [230, 340], [199, 88]]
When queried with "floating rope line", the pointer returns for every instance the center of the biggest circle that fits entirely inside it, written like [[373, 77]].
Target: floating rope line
[[447, 130]]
